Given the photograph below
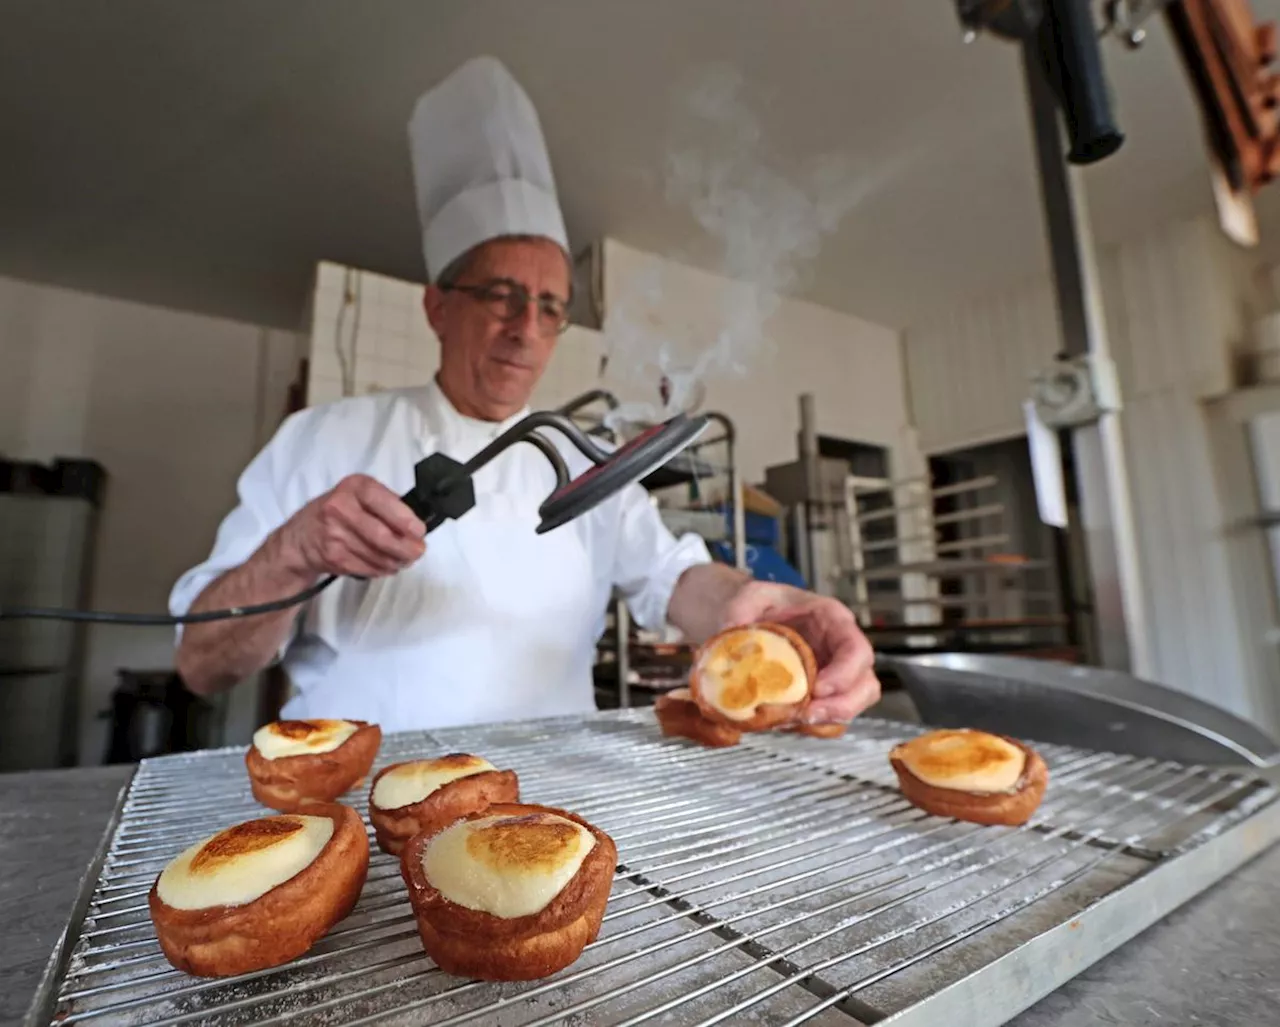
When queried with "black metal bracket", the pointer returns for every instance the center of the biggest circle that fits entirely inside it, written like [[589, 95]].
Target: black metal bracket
[[442, 490]]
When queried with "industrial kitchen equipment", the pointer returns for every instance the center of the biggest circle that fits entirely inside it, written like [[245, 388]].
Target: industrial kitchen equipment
[[49, 517], [1083, 706]]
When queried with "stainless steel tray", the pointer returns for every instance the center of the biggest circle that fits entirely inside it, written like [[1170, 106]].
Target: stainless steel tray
[[783, 881], [1073, 705]]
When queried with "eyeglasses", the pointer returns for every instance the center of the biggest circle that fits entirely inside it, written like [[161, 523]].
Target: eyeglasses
[[507, 301]]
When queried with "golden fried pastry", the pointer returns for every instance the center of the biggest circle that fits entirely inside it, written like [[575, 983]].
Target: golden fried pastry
[[293, 762], [260, 893], [832, 729], [753, 678], [426, 796], [971, 775], [679, 717], [510, 894]]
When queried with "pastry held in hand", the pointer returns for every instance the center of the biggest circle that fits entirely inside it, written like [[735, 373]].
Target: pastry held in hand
[[293, 762], [260, 893], [971, 775], [679, 717], [753, 678], [514, 893], [426, 796]]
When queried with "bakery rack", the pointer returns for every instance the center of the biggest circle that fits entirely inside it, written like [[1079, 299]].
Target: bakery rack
[[784, 881], [930, 567]]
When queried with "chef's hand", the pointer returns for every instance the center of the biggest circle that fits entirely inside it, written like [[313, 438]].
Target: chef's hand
[[846, 683], [358, 528]]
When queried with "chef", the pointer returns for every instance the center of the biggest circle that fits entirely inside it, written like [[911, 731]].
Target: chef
[[483, 620]]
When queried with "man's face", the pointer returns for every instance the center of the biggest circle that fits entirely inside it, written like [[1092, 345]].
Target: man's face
[[493, 345]]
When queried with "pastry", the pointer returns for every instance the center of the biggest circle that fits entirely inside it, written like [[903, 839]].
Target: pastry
[[510, 894], [426, 796], [753, 678], [679, 717], [292, 762], [829, 729], [260, 893], [971, 775]]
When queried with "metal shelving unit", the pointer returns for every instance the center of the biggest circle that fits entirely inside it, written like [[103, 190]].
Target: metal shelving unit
[[964, 589]]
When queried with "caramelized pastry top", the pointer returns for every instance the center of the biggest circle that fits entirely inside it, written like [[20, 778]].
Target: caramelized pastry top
[[507, 866], [749, 667], [243, 862], [412, 782], [301, 737], [963, 760]]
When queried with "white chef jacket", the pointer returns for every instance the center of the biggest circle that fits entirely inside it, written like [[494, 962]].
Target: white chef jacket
[[494, 622]]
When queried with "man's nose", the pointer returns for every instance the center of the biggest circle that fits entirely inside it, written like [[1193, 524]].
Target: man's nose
[[524, 326]]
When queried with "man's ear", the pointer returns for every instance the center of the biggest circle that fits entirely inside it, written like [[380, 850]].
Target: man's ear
[[433, 299]]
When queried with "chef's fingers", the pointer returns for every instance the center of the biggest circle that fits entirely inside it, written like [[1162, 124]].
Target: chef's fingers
[[346, 508], [844, 706], [348, 554], [851, 659], [755, 602], [374, 532], [339, 536], [387, 506]]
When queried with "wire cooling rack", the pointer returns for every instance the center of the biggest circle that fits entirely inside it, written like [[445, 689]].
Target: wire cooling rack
[[782, 881]]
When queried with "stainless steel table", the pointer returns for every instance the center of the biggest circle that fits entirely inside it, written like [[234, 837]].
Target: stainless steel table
[[1211, 962], [51, 824]]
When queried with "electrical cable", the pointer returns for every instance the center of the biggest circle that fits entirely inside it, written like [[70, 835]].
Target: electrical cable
[[165, 619], [443, 490]]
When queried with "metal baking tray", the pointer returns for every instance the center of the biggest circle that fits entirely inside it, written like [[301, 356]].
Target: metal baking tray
[[1072, 705], [783, 881]]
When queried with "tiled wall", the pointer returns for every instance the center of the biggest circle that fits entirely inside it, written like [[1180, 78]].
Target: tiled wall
[[368, 332]]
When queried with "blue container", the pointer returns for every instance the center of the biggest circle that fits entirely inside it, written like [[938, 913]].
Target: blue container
[[763, 562], [761, 529]]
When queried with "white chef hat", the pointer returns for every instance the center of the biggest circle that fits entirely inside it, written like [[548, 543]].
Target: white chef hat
[[480, 164]]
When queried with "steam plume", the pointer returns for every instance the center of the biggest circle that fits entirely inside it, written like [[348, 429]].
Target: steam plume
[[764, 224]]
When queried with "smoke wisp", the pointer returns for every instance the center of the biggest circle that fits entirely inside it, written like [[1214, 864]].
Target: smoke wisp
[[764, 224]]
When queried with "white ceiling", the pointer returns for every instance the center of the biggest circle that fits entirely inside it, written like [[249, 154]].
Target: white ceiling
[[206, 155]]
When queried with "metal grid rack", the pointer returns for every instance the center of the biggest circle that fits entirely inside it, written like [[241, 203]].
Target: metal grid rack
[[781, 881]]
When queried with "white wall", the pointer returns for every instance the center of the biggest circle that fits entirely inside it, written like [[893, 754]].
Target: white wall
[[853, 367], [1177, 307], [1264, 439], [368, 332], [173, 405], [969, 369]]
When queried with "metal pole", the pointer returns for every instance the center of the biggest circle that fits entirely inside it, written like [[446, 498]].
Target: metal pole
[[1102, 480], [736, 492], [801, 535], [739, 512], [622, 621], [809, 464]]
